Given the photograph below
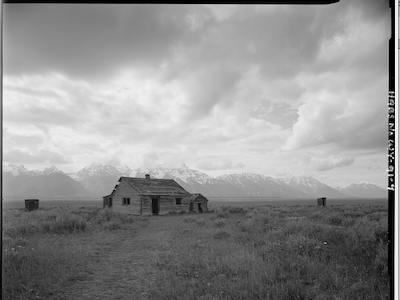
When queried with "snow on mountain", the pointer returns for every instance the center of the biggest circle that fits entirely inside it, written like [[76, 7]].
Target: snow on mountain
[[15, 170], [193, 181], [96, 169], [262, 186], [50, 170], [185, 174], [366, 190], [74, 176], [100, 179], [21, 182], [285, 180], [315, 188], [125, 170]]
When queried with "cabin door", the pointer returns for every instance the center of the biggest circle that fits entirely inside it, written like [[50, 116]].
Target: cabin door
[[155, 205], [200, 209]]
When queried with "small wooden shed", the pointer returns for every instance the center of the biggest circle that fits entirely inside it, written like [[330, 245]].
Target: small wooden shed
[[198, 203], [321, 201], [31, 204]]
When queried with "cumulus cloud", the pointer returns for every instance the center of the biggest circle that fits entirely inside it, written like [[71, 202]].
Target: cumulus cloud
[[215, 86], [150, 159], [324, 164], [24, 155], [29, 138], [342, 120], [219, 164], [209, 87], [89, 41], [114, 157]]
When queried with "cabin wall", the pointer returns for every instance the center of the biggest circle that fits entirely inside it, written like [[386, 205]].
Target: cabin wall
[[124, 190], [166, 204]]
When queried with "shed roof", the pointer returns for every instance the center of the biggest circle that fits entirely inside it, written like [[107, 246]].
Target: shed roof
[[155, 186], [195, 197]]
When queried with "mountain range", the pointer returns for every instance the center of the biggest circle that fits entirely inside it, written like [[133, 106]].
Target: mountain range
[[51, 182], [99, 180]]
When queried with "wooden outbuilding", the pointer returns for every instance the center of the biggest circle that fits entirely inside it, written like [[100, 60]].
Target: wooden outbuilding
[[321, 201], [147, 196], [31, 204], [198, 203]]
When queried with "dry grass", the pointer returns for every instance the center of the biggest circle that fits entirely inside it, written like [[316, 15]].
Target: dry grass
[[268, 252], [284, 252], [49, 248]]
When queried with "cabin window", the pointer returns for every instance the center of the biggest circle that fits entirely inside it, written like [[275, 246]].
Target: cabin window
[[178, 201], [126, 201]]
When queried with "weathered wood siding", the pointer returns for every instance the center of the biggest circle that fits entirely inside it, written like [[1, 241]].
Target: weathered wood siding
[[167, 204], [321, 201], [31, 204], [195, 203], [104, 202], [203, 205], [124, 190]]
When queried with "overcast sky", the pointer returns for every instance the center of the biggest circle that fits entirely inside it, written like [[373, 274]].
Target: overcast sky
[[279, 90]]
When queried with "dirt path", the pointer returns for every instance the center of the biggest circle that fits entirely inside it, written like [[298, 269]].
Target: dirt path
[[126, 271]]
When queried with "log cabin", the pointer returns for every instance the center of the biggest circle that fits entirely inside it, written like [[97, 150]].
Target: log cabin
[[151, 196]]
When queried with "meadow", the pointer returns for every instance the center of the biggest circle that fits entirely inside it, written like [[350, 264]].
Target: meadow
[[296, 251]]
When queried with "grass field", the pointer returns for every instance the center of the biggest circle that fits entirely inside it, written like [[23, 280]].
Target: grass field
[[235, 252], [213, 203]]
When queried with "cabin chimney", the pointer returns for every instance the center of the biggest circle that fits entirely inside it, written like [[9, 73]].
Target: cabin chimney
[[148, 177]]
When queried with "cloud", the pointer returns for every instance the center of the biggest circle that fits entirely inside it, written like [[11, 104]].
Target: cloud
[[48, 100], [24, 155], [207, 88], [219, 164], [210, 85], [278, 113], [150, 159], [345, 120], [25, 138], [114, 157], [90, 41], [324, 164]]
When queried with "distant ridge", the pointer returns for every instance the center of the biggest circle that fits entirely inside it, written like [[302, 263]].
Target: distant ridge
[[365, 190], [98, 180], [51, 182], [315, 188], [262, 186]]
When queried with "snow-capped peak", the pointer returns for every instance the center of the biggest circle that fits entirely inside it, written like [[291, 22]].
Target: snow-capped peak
[[364, 190], [51, 170], [125, 170], [185, 174], [360, 185], [101, 170], [15, 170], [21, 170], [305, 181]]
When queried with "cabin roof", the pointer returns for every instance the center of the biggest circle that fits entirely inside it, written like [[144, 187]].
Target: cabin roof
[[155, 186]]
